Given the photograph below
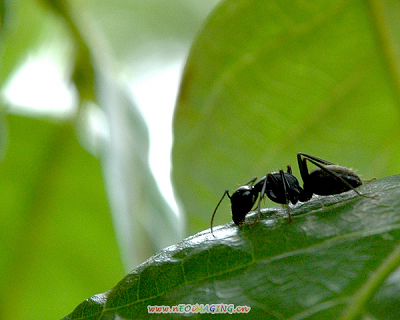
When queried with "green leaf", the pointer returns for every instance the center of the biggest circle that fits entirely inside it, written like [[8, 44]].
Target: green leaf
[[338, 249], [267, 79]]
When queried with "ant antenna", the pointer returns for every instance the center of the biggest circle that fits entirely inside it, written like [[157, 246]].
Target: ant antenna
[[226, 193]]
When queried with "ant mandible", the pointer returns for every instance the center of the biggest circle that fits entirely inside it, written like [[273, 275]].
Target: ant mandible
[[284, 188]]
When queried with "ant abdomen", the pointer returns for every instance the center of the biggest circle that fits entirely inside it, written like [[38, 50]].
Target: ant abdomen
[[326, 183]]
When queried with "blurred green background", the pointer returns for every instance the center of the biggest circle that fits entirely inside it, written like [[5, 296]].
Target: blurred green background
[[80, 206], [81, 194]]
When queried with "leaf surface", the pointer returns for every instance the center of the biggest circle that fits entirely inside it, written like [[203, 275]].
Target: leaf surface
[[313, 268]]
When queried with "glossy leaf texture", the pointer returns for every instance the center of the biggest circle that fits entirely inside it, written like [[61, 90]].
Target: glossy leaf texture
[[267, 79], [314, 268]]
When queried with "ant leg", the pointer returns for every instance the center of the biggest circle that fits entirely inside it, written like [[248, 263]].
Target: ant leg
[[270, 178], [285, 188], [307, 156], [289, 169], [262, 194], [302, 162], [303, 167], [226, 193], [251, 182]]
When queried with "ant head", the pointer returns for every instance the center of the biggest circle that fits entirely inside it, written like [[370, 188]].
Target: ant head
[[242, 200]]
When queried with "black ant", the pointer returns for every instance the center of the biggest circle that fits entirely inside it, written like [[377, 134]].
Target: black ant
[[283, 187]]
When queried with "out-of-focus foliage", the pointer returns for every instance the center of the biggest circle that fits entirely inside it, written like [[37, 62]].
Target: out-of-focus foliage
[[57, 242], [267, 79]]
